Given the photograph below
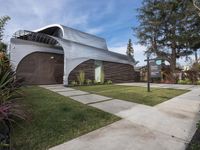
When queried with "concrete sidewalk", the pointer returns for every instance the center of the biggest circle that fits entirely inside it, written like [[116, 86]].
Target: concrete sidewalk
[[167, 126]]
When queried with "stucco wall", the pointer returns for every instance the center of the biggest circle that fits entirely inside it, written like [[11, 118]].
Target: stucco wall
[[74, 53]]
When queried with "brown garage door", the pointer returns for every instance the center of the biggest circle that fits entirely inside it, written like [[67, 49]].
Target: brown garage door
[[41, 68]]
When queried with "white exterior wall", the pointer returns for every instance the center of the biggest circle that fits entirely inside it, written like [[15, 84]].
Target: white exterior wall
[[79, 36], [19, 49], [77, 48]]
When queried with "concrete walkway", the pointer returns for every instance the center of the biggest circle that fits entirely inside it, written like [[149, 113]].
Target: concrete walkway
[[167, 126]]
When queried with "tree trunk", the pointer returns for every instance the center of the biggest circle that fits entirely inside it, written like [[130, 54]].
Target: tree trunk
[[173, 64], [196, 57]]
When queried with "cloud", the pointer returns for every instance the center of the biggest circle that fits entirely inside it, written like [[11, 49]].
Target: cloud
[[138, 52], [96, 17], [30, 14], [94, 30], [33, 14], [120, 49], [90, 16]]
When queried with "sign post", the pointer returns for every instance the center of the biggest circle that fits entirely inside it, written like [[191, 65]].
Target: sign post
[[153, 70], [155, 67], [148, 73]]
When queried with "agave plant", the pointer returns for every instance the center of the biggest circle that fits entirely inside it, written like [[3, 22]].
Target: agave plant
[[9, 108], [81, 77]]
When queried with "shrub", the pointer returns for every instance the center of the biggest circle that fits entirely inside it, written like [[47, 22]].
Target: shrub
[[198, 82], [81, 77], [109, 82], [181, 82], [88, 82], [10, 109], [193, 74], [186, 81], [95, 82], [73, 83]]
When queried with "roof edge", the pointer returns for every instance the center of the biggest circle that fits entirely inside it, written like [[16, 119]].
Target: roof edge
[[49, 26], [62, 28]]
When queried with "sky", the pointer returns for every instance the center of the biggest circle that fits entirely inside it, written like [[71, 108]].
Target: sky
[[109, 19]]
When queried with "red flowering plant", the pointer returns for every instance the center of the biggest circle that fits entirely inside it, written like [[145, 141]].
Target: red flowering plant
[[10, 108]]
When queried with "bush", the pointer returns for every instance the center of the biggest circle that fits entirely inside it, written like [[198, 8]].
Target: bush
[[181, 82], [73, 83], [95, 82], [109, 82], [198, 82], [10, 109], [193, 74], [186, 81], [81, 77], [88, 82]]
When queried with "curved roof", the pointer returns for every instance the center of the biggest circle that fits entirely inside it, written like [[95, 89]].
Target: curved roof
[[74, 35]]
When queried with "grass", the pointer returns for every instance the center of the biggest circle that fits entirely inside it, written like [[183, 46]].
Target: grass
[[195, 142], [54, 120], [134, 94]]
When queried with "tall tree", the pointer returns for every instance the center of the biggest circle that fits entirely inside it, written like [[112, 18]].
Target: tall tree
[[3, 21], [196, 4], [196, 46], [130, 52], [167, 28]]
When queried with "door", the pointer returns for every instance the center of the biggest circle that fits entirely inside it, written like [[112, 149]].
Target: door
[[98, 70], [41, 68]]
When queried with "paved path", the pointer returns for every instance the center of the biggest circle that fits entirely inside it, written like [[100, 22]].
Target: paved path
[[167, 126]]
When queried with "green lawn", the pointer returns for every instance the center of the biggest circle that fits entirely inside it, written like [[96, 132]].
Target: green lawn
[[195, 142], [54, 119], [134, 94]]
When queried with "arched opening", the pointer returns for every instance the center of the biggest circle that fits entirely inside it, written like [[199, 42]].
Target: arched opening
[[88, 68], [93, 69], [53, 31], [41, 68]]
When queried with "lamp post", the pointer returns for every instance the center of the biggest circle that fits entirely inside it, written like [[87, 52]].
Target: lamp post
[[148, 72]]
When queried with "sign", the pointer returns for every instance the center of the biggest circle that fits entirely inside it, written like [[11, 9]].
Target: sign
[[155, 68], [158, 62]]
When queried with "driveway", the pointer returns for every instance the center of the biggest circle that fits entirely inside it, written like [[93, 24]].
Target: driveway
[[166, 126]]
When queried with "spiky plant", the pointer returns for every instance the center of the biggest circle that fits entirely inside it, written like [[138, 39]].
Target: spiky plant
[[81, 77], [10, 109]]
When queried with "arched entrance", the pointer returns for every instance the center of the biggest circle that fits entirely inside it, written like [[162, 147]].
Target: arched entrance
[[41, 68]]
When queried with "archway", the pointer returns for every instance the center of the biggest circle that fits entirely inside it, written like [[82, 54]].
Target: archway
[[41, 68]]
